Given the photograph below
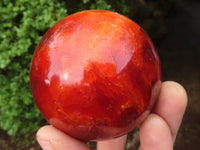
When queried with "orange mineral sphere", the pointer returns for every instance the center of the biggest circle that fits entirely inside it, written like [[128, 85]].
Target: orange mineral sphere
[[95, 75]]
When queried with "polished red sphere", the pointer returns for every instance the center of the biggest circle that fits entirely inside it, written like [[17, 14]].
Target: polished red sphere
[[95, 75]]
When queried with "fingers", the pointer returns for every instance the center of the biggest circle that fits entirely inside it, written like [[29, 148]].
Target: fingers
[[171, 105], [116, 144], [159, 130], [155, 134], [51, 138]]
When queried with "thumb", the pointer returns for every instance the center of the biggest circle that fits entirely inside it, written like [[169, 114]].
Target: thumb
[[51, 138]]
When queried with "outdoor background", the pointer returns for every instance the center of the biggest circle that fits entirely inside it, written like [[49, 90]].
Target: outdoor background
[[173, 25]]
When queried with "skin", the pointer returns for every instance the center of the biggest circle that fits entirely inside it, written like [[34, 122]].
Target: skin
[[158, 131]]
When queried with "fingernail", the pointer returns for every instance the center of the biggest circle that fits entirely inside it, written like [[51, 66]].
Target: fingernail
[[45, 145]]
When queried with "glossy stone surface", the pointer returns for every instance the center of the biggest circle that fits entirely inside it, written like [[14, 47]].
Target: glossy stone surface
[[95, 75]]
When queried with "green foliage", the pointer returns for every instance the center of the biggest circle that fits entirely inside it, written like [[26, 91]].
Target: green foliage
[[100, 4], [22, 25]]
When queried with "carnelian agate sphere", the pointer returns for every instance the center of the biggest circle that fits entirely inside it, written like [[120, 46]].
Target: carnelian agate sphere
[[95, 75]]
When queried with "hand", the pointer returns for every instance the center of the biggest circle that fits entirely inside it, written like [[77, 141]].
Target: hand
[[157, 132]]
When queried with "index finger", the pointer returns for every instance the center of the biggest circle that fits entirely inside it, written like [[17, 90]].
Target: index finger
[[171, 105]]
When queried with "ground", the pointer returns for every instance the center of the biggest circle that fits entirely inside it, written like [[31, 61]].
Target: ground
[[180, 60], [180, 57]]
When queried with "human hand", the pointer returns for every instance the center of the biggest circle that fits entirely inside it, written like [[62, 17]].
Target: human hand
[[157, 132]]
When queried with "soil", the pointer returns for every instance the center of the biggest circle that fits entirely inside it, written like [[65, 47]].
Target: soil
[[180, 58]]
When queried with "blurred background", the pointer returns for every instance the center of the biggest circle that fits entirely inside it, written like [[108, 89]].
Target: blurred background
[[173, 26]]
